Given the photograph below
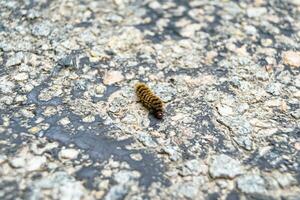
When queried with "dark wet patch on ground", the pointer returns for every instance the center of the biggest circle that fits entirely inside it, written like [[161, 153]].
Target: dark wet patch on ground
[[226, 88], [32, 96], [88, 175], [154, 122], [2, 28], [257, 196], [277, 157], [212, 196], [12, 135], [9, 190], [83, 24], [101, 148], [208, 136], [94, 139], [170, 30], [196, 72], [233, 195], [211, 27], [293, 106]]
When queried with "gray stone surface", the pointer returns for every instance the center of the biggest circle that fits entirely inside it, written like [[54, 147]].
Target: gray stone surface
[[251, 184], [71, 126], [224, 166]]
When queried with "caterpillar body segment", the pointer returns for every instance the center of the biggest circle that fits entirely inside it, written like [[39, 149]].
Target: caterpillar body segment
[[149, 99]]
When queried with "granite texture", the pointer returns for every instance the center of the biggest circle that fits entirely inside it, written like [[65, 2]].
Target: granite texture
[[71, 126]]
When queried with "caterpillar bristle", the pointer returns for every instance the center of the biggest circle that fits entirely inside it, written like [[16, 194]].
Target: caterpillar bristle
[[149, 99]]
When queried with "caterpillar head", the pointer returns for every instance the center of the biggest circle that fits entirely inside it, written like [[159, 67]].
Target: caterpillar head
[[159, 114]]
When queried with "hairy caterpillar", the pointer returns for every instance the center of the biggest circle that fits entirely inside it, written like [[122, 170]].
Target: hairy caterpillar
[[149, 100]]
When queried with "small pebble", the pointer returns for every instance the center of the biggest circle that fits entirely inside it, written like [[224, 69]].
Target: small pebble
[[291, 58], [68, 154]]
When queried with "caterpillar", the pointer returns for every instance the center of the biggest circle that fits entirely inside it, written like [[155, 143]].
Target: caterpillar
[[149, 100]]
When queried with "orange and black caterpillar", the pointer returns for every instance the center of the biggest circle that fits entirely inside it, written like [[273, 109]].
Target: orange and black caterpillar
[[149, 100]]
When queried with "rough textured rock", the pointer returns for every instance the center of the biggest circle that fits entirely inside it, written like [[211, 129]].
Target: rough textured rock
[[251, 184], [71, 126], [112, 77], [292, 58], [63, 187], [68, 153], [224, 166]]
